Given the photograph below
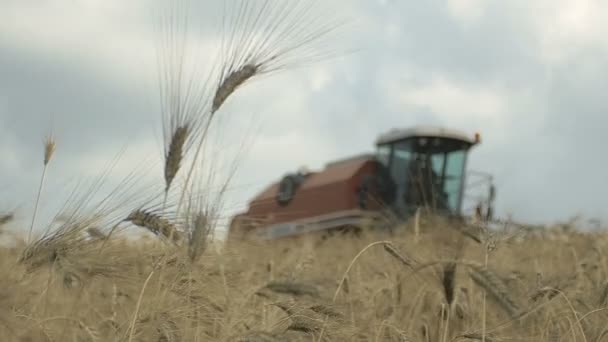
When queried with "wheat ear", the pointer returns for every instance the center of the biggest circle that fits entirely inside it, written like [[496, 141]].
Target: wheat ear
[[449, 282], [49, 149], [292, 288], [390, 249], [343, 279], [199, 236], [495, 287], [96, 233], [138, 305], [154, 223], [229, 85], [173, 158]]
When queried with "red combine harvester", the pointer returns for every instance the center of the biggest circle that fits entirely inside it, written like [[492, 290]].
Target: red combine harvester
[[412, 168]]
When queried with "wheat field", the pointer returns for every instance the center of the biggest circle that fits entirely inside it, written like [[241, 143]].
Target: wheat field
[[437, 285]]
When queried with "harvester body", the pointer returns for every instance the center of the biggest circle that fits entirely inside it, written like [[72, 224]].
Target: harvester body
[[411, 168]]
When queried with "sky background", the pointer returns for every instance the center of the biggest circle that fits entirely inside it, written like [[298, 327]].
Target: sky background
[[528, 75]]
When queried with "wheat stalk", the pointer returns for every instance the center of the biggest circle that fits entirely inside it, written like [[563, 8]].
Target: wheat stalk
[[267, 37], [183, 92], [260, 38], [258, 336], [475, 336], [96, 233], [49, 149], [138, 305], [390, 249], [603, 299], [326, 310], [292, 288], [495, 287], [304, 324], [449, 282]]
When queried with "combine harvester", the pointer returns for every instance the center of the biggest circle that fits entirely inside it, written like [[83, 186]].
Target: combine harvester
[[420, 167]]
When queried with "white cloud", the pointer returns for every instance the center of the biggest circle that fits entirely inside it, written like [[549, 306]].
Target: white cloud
[[320, 77], [564, 27], [141, 153], [115, 40], [449, 99], [313, 115], [466, 12], [300, 149], [75, 33], [10, 161]]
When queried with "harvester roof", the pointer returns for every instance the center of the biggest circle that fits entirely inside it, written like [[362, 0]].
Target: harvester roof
[[424, 131]]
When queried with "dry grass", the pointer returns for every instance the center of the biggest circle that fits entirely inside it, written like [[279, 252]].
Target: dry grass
[[147, 291]]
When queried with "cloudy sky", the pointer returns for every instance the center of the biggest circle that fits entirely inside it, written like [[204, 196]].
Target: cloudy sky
[[528, 75]]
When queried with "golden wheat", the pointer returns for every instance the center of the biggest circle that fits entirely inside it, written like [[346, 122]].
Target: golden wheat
[[200, 228], [258, 336], [96, 233], [229, 85], [49, 149], [174, 155], [392, 250], [155, 223], [215, 299], [292, 288], [494, 286], [449, 282]]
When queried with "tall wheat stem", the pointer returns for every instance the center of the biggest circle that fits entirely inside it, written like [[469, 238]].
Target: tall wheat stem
[[29, 235], [343, 279], [192, 166], [483, 318], [446, 329], [137, 306], [49, 149]]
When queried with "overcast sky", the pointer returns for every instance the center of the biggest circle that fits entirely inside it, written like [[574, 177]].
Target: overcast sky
[[528, 75]]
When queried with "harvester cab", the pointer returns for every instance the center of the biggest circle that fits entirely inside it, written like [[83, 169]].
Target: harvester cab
[[426, 168], [420, 167]]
